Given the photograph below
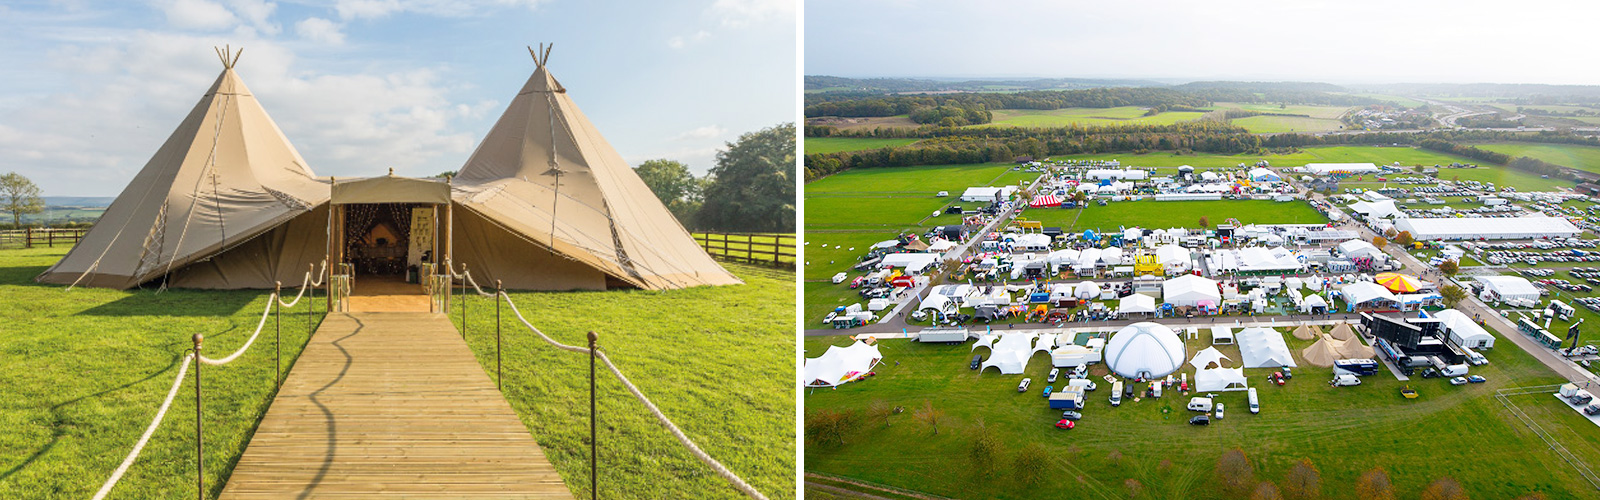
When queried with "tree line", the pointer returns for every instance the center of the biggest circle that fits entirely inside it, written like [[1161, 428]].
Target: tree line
[[750, 189]]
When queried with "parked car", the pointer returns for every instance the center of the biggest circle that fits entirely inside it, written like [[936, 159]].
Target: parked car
[[1591, 410], [1047, 390], [1476, 379], [1071, 415], [1064, 424], [1023, 386], [1430, 373], [1458, 381], [1581, 398], [1287, 374], [1219, 411], [1053, 373], [977, 361], [1200, 420]]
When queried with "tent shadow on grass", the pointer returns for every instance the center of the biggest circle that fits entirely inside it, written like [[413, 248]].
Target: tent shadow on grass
[[208, 303]]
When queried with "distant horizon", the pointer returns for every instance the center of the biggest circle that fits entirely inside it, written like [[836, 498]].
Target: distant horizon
[[1178, 81]]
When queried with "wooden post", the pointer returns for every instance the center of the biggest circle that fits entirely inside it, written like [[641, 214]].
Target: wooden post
[[312, 292], [27, 237], [594, 454], [277, 334], [463, 300], [499, 290], [199, 434]]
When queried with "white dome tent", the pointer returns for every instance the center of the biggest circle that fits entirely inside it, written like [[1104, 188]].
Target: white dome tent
[[1144, 350], [841, 364]]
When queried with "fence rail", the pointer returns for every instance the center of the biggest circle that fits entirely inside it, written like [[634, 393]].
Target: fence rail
[[765, 249], [40, 237]]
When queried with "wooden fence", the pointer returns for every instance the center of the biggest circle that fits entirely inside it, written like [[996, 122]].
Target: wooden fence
[[40, 237], [766, 249]]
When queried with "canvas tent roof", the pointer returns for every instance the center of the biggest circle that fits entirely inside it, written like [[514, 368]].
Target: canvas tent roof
[[1357, 248], [1189, 290], [839, 365], [1011, 353], [1510, 287], [1220, 379], [1207, 356], [167, 218], [1303, 332], [1263, 348], [390, 189], [1311, 301], [1321, 353], [1136, 303], [1342, 331], [1365, 291], [1463, 330], [1144, 348]]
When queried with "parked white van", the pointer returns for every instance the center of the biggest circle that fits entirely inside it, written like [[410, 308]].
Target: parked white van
[[1255, 404], [1200, 404], [1346, 380]]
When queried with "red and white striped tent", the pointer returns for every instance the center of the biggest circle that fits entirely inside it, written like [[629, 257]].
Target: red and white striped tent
[[1048, 200]]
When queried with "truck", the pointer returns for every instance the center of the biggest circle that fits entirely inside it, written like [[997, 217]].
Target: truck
[[1116, 393], [1358, 367], [1070, 398]]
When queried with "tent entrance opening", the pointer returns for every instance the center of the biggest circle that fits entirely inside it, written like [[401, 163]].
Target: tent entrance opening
[[384, 240]]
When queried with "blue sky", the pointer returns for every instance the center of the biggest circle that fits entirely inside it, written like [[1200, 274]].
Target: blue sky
[[92, 89], [1336, 41]]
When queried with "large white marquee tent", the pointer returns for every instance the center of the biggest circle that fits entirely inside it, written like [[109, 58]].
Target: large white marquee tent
[[1264, 348], [841, 364], [1509, 287], [1220, 379], [1463, 330], [1493, 228], [1144, 350], [1190, 290]]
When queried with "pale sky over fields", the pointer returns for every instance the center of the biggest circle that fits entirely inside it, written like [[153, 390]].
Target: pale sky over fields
[[1344, 41], [92, 89]]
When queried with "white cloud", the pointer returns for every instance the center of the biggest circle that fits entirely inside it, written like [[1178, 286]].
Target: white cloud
[[741, 13], [258, 13], [678, 42], [372, 9], [319, 30], [198, 14], [702, 133]]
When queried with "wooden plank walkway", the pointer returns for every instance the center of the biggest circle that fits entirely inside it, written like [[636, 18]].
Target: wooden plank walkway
[[391, 405]]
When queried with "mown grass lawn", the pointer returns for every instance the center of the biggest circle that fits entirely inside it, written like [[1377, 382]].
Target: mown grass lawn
[[1313, 111], [1567, 155], [718, 361], [1152, 214], [1456, 432], [1284, 124], [1122, 115], [838, 144], [82, 372], [926, 179], [762, 247]]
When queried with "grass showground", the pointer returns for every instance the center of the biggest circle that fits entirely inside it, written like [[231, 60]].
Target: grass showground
[[1567, 155], [838, 144], [1123, 115]]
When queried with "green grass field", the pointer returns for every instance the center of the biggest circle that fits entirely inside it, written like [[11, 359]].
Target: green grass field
[[84, 370], [839, 144], [762, 247], [925, 179], [1085, 116], [1152, 214], [1456, 432], [1400, 100], [1323, 112], [1407, 156], [1568, 155], [1286, 124]]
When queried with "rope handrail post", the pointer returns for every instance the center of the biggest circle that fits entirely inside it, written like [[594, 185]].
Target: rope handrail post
[[311, 269], [499, 290], [464, 278], [277, 336], [199, 433], [594, 471]]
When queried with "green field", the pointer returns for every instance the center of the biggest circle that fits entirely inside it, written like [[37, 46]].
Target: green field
[[874, 212], [85, 369], [1456, 432], [1313, 111], [926, 179], [1407, 156], [739, 247], [1567, 155], [1152, 214], [840, 144], [1085, 116], [1400, 100], [1286, 124]]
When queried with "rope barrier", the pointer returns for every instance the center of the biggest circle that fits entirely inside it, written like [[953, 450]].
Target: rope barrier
[[306, 283], [264, 313], [161, 413], [683, 439]]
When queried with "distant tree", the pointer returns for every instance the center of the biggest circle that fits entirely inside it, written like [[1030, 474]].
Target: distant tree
[[828, 426], [1134, 487], [1374, 485], [1079, 197], [985, 449], [1404, 238], [1449, 268], [1233, 468], [1031, 464], [752, 187], [1205, 222], [1266, 491], [674, 185], [1451, 295], [19, 196], [1379, 241], [878, 410], [929, 415], [1303, 482], [447, 173], [1391, 232], [1444, 488]]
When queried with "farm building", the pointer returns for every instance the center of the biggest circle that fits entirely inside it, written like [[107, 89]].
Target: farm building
[[1341, 168], [1144, 350], [1509, 288], [227, 202], [1492, 228]]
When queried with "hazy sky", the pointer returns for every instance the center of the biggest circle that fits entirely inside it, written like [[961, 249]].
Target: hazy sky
[[92, 89], [1344, 41]]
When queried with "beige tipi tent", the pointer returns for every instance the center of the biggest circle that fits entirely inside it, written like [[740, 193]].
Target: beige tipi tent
[[1323, 352], [225, 177], [544, 203], [1304, 333], [1343, 332]]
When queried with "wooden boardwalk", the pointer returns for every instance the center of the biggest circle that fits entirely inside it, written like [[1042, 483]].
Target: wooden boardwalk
[[391, 405]]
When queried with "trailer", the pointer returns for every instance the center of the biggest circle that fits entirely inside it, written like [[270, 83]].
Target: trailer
[[1359, 367], [943, 334], [1070, 398]]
